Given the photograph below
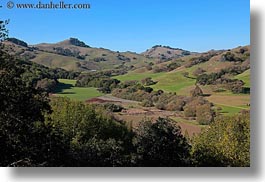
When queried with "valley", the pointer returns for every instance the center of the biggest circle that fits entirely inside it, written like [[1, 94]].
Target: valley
[[172, 70]]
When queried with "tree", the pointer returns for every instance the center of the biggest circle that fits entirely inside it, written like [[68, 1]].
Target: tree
[[204, 113], [148, 81], [98, 153], [21, 115], [94, 137], [226, 142], [190, 110], [197, 91], [3, 30], [113, 107], [161, 144]]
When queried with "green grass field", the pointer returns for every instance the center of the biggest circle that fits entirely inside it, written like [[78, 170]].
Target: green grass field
[[229, 110], [173, 82], [169, 82], [176, 82], [66, 88], [245, 77]]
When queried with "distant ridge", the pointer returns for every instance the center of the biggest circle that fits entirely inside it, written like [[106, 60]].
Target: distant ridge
[[17, 42], [75, 42], [165, 52]]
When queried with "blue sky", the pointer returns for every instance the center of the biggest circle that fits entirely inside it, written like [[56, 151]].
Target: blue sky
[[136, 25]]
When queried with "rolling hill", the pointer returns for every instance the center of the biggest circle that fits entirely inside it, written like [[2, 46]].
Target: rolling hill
[[166, 52], [169, 66], [173, 70], [73, 54]]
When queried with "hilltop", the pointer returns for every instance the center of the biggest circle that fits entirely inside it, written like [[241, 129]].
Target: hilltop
[[74, 55], [165, 52]]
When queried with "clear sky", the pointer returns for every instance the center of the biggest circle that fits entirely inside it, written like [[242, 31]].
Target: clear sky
[[136, 25]]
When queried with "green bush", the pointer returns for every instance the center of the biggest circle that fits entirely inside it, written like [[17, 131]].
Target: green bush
[[147, 103], [226, 142], [113, 107]]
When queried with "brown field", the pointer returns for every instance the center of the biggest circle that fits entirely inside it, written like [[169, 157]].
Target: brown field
[[231, 100], [135, 114]]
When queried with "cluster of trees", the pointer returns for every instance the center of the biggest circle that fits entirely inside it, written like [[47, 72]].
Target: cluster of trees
[[36, 75], [173, 65], [43, 77], [222, 77], [22, 131], [82, 78], [168, 47], [166, 68], [123, 58], [113, 107], [90, 137], [104, 84], [230, 57], [98, 59], [200, 59], [101, 80], [76, 42], [201, 109], [148, 81], [194, 106], [18, 42], [68, 52]]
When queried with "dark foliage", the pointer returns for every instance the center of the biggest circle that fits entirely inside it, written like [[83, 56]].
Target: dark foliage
[[3, 30], [161, 144], [23, 135], [113, 107], [77, 42], [17, 41]]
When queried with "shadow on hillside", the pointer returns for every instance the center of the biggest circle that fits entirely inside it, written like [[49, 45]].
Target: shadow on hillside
[[61, 87]]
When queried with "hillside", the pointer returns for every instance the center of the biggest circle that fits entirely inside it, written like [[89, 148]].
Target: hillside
[[180, 75], [73, 54], [165, 52], [236, 59]]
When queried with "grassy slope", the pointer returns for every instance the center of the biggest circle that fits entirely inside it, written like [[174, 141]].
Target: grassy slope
[[175, 82], [66, 88], [138, 76], [245, 77], [56, 61], [111, 57], [170, 81]]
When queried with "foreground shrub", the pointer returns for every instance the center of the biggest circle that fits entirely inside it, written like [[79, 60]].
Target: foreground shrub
[[226, 142], [161, 144]]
